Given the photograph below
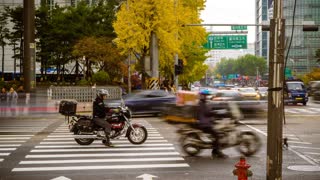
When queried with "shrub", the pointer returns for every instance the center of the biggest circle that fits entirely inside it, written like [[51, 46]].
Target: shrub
[[101, 78], [83, 82]]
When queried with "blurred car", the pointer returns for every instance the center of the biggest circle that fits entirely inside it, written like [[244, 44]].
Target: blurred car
[[263, 91], [313, 86], [247, 108], [249, 93], [316, 96], [227, 95], [148, 101]]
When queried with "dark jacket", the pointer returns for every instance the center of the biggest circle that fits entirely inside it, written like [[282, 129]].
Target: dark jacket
[[100, 110], [204, 115]]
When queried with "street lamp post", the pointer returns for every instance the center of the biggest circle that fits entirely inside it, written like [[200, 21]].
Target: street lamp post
[[293, 66]]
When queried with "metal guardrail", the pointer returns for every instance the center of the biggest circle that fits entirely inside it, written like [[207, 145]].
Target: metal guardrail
[[80, 93]]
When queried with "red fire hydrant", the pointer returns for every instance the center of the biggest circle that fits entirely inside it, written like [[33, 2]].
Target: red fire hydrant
[[242, 169]]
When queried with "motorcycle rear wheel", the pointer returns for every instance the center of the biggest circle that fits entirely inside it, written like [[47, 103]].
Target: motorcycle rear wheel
[[82, 141], [138, 135], [191, 149], [188, 144], [250, 143]]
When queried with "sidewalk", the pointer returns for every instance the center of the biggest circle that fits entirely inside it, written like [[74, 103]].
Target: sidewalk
[[38, 104]]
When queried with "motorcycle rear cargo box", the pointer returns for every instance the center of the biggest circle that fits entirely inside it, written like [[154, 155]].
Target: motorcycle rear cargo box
[[68, 107]]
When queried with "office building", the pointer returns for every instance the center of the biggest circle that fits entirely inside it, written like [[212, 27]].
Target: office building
[[301, 58]]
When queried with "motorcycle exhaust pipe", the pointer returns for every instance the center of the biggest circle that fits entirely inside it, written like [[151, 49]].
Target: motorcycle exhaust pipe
[[85, 136]]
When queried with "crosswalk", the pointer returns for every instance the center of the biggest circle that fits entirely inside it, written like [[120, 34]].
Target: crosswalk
[[303, 110], [14, 133], [59, 152], [10, 143]]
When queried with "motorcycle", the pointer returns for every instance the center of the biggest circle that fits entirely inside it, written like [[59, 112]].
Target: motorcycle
[[86, 131], [193, 140]]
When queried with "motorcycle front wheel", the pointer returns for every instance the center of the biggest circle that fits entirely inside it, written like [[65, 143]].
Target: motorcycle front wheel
[[250, 143], [138, 135], [82, 141]]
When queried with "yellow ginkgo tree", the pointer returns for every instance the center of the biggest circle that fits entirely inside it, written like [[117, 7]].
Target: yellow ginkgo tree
[[137, 20]]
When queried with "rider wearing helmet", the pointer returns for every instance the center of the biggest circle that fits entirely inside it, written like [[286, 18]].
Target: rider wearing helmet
[[100, 111], [205, 121]]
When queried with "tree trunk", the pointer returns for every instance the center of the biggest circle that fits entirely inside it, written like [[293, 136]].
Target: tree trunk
[[2, 71], [14, 61]]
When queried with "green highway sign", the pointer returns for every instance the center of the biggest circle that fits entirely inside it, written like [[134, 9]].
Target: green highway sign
[[287, 72], [239, 28], [226, 42]]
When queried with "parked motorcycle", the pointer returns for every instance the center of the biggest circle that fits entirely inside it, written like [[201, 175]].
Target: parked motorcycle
[[193, 140], [86, 131]]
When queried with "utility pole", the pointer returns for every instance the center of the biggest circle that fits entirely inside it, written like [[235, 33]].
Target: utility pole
[[29, 47], [275, 100]]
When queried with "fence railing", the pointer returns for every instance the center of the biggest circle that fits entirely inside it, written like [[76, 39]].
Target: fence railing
[[81, 94]]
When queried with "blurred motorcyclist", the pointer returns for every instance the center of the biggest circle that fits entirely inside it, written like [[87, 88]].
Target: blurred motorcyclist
[[206, 121], [100, 112]]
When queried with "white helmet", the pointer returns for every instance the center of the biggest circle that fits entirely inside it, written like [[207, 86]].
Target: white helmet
[[102, 92]]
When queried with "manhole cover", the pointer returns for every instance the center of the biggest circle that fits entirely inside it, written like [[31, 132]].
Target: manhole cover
[[304, 168]]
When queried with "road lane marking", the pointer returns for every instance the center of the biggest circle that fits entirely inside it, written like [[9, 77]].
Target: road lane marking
[[16, 135], [299, 142], [304, 147], [4, 154], [102, 160], [12, 138], [7, 149], [99, 142], [70, 168], [103, 155], [95, 146], [10, 145], [104, 149], [68, 139], [303, 157], [1, 142], [71, 135], [291, 149], [312, 153]]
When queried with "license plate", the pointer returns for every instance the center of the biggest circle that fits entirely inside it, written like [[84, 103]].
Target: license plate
[[299, 98]]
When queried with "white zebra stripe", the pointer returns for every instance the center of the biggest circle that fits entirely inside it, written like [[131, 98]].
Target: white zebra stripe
[[103, 149], [4, 154], [68, 139], [97, 146], [103, 155], [70, 168], [11, 138], [99, 142], [102, 160], [10, 145], [7, 149]]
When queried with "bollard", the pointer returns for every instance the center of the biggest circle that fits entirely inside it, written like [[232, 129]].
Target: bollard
[[242, 169]]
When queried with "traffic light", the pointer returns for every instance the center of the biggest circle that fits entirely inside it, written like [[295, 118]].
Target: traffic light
[[178, 68]]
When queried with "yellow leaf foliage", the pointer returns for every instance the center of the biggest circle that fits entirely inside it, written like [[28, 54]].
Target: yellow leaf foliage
[[137, 19]]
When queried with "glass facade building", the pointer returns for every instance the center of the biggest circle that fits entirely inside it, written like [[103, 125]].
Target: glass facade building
[[301, 58], [261, 45]]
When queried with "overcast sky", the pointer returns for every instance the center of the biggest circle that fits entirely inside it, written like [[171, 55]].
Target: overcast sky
[[230, 12]]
